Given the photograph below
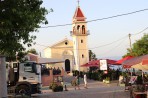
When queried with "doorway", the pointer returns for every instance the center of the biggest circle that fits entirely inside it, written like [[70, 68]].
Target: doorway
[[67, 65]]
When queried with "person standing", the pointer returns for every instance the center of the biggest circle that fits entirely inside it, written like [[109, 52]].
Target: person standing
[[78, 82], [85, 81]]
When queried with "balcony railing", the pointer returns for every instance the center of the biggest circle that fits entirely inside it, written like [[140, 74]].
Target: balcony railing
[[87, 33]]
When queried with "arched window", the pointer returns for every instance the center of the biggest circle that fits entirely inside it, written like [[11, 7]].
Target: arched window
[[81, 40], [83, 29], [78, 28], [82, 55]]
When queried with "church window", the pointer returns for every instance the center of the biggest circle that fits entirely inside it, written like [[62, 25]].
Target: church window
[[81, 41], [82, 55], [66, 43], [83, 29], [78, 28]]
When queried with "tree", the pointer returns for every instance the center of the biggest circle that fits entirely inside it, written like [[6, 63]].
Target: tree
[[140, 47], [18, 19], [33, 51], [92, 55]]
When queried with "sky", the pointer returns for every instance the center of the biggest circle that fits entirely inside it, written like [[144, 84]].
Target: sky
[[108, 38]]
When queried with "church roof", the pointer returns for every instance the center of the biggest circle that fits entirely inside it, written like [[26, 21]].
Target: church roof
[[79, 14]]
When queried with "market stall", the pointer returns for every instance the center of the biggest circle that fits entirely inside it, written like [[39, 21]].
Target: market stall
[[140, 88]]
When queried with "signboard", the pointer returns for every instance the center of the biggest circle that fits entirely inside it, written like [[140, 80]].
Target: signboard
[[28, 69], [103, 65], [15, 69]]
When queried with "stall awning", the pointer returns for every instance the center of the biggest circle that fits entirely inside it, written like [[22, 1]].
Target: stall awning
[[119, 62], [134, 61], [96, 63]]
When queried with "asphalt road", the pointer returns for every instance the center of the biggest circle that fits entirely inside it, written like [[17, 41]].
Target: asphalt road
[[93, 92]]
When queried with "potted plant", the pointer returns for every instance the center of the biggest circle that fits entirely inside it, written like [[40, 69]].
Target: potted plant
[[103, 80], [107, 80]]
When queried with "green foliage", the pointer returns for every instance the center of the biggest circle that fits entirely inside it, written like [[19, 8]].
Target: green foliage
[[139, 80], [92, 56], [107, 79], [139, 88], [18, 18], [55, 87], [33, 51], [20, 56], [140, 47]]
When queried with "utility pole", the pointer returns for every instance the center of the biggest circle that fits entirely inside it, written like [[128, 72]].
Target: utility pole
[[129, 35], [3, 83]]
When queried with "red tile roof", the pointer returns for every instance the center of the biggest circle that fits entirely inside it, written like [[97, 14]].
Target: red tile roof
[[79, 15]]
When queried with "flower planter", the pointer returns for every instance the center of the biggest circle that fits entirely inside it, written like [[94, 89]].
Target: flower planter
[[107, 82], [122, 84], [103, 81]]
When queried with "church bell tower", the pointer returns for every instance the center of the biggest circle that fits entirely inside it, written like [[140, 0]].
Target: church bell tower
[[80, 34]]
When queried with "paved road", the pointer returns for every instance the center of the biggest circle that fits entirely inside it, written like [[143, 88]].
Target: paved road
[[95, 90]]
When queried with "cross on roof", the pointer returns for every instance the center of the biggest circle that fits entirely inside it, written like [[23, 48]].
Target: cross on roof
[[78, 2]]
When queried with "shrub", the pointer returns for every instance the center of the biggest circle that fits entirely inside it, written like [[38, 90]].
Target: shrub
[[107, 79], [139, 80], [51, 85], [55, 87], [60, 88]]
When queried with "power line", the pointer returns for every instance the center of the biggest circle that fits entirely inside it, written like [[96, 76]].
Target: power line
[[119, 15], [113, 48], [100, 18], [108, 43], [120, 39], [61, 25], [140, 31]]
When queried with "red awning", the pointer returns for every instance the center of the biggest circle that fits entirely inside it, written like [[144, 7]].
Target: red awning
[[89, 65], [145, 62], [119, 62], [96, 63], [133, 61]]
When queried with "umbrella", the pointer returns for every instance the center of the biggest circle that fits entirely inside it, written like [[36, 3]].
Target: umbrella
[[111, 62], [134, 61], [119, 62]]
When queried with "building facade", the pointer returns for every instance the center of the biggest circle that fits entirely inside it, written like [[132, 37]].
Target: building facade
[[75, 51]]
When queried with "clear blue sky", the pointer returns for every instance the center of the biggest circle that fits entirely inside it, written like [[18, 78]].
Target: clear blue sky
[[101, 32]]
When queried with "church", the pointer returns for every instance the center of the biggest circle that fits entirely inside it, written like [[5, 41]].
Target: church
[[74, 53]]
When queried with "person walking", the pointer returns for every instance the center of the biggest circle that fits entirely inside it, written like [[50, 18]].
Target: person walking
[[85, 81], [78, 82]]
